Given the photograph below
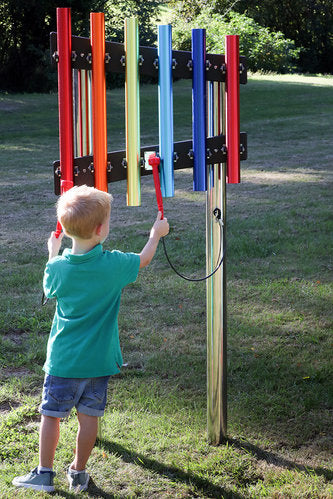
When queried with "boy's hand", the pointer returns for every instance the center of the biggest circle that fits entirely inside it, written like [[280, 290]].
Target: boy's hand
[[160, 227], [53, 244]]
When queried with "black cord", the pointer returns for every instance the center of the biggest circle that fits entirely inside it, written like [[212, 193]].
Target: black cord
[[220, 259], [44, 299]]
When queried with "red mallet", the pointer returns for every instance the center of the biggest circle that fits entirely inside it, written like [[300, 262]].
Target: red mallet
[[155, 161]]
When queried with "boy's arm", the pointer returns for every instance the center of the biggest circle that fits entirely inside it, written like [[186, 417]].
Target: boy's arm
[[159, 229], [53, 244]]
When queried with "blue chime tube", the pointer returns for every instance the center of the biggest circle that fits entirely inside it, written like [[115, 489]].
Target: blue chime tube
[[165, 110], [199, 119]]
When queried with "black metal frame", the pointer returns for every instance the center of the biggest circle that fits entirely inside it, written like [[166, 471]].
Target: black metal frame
[[116, 169], [148, 65]]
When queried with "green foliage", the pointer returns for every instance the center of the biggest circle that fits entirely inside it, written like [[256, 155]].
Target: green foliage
[[308, 22], [115, 13], [117, 10], [189, 10], [265, 50], [24, 33], [25, 28]]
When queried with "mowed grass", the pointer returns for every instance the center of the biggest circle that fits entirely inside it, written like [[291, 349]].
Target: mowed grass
[[279, 272]]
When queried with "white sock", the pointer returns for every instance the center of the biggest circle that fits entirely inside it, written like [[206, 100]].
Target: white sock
[[43, 469], [75, 472]]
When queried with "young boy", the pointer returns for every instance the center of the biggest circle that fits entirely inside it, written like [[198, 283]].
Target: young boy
[[83, 349]]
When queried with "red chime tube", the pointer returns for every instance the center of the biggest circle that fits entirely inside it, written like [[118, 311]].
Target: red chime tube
[[97, 27], [66, 142], [232, 108]]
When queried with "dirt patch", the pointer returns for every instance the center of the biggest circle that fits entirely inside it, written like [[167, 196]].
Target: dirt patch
[[16, 335], [8, 406], [18, 372]]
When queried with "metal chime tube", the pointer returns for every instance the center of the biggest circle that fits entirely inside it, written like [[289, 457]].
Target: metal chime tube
[[76, 113], [84, 114], [97, 27], [64, 42], [132, 105], [89, 99], [216, 285], [199, 123], [165, 110], [232, 108], [65, 95]]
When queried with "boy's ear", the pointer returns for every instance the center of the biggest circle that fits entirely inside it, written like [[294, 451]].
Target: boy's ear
[[98, 230]]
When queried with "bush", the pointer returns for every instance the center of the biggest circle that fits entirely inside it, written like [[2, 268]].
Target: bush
[[265, 51]]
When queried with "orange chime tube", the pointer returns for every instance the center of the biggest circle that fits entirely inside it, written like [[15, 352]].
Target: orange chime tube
[[97, 27]]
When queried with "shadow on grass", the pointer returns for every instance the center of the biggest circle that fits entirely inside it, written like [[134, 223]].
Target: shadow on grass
[[277, 460], [202, 485], [93, 491]]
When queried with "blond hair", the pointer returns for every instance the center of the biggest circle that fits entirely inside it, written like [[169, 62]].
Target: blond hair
[[81, 209]]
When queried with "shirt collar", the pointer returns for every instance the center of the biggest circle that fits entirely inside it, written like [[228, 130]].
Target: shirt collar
[[85, 257]]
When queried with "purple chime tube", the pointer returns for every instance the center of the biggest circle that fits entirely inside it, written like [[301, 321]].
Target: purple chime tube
[[199, 119]]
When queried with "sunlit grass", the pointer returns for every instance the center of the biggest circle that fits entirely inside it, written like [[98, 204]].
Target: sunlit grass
[[279, 295]]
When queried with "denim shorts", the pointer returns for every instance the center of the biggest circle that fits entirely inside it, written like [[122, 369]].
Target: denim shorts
[[60, 395]]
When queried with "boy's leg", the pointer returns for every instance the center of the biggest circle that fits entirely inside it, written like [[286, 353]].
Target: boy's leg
[[90, 406], [48, 440], [85, 440]]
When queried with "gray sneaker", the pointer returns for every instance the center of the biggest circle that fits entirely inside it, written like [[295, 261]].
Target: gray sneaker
[[36, 481], [77, 481]]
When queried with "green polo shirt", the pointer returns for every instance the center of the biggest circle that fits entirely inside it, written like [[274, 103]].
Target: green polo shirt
[[84, 338]]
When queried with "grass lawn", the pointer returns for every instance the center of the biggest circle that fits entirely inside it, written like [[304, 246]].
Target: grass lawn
[[280, 303]]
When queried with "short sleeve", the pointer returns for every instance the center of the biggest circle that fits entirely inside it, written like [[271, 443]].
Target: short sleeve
[[128, 267], [49, 284]]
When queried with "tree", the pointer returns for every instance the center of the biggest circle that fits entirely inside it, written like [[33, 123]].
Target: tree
[[25, 27], [308, 22], [146, 12], [24, 33]]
